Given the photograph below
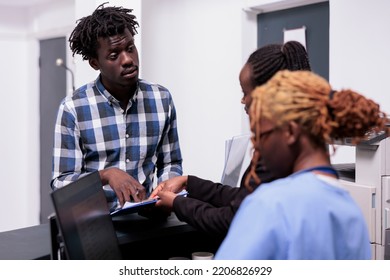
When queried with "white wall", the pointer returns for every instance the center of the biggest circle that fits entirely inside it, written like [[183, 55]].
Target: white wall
[[193, 47], [15, 134], [20, 32], [359, 53], [17, 123], [359, 47]]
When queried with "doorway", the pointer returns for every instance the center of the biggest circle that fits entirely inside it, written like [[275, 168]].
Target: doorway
[[314, 17], [52, 85]]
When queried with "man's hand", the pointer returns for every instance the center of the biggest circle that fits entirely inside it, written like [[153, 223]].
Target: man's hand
[[123, 185]]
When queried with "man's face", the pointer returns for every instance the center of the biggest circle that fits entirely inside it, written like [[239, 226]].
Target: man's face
[[117, 60]]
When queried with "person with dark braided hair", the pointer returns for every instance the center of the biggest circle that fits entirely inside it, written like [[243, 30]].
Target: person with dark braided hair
[[120, 125], [305, 213], [266, 61], [210, 206]]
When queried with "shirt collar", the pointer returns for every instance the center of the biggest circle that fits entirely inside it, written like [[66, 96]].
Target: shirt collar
[[108, 96]]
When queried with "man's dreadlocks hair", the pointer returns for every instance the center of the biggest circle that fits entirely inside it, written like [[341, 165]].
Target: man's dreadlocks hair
[[268, 60], [104, 22], [325, 115]]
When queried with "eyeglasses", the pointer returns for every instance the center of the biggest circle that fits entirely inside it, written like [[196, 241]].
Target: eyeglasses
[[267, 132]]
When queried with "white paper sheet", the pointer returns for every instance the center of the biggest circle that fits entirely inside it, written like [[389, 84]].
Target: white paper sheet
[[298, 34]]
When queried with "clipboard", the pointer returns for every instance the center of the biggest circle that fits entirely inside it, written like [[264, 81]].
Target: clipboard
[[135, 207]]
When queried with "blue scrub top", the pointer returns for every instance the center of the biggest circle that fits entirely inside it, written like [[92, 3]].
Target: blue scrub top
[[298, 217]]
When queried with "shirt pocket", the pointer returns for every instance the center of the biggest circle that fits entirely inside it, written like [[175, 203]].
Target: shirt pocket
[[150, 137]]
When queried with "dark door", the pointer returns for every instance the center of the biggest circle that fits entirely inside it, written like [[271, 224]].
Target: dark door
[[314, 17], [52, 82]]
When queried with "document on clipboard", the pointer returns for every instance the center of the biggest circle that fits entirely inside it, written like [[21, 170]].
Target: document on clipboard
[[134, 207]]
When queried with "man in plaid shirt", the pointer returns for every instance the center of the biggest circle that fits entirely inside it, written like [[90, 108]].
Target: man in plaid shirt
[[120, 125]]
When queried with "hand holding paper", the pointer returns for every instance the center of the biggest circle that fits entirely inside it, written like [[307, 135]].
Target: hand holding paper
[[133, 207], [166, 198], [175, 184]]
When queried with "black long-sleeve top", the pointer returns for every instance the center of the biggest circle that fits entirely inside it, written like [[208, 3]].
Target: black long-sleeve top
[[210, 206]]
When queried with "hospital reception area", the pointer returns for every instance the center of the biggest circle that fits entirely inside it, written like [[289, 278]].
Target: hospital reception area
[[252, 135]]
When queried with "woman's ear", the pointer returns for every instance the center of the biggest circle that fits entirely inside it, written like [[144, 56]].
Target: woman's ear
[[293, 132], [94, 63]]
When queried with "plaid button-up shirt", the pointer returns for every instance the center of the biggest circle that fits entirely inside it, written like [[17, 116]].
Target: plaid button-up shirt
[[93, 132]]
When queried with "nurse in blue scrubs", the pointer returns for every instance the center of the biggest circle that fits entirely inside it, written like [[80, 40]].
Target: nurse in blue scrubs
[[305, 214]]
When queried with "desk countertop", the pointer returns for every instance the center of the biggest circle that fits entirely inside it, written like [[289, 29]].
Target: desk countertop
[[35, 242], [132, 227], [26, 243]]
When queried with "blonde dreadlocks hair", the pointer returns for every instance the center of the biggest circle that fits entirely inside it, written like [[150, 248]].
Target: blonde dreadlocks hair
[[323, 114]]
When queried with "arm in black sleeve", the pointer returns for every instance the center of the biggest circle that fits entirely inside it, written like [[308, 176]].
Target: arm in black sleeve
[[209, 206], [215, 194], [204, 216], [218, 194]]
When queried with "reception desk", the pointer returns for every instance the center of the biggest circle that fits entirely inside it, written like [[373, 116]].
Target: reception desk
[[139, 238]]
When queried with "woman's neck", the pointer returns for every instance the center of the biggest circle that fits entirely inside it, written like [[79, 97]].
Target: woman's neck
[[311, 157]]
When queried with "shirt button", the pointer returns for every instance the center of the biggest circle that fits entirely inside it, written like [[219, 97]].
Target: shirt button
[[127, 135], [127, 160]]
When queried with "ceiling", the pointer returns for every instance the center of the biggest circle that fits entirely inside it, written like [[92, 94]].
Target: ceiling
[[23, 3]]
